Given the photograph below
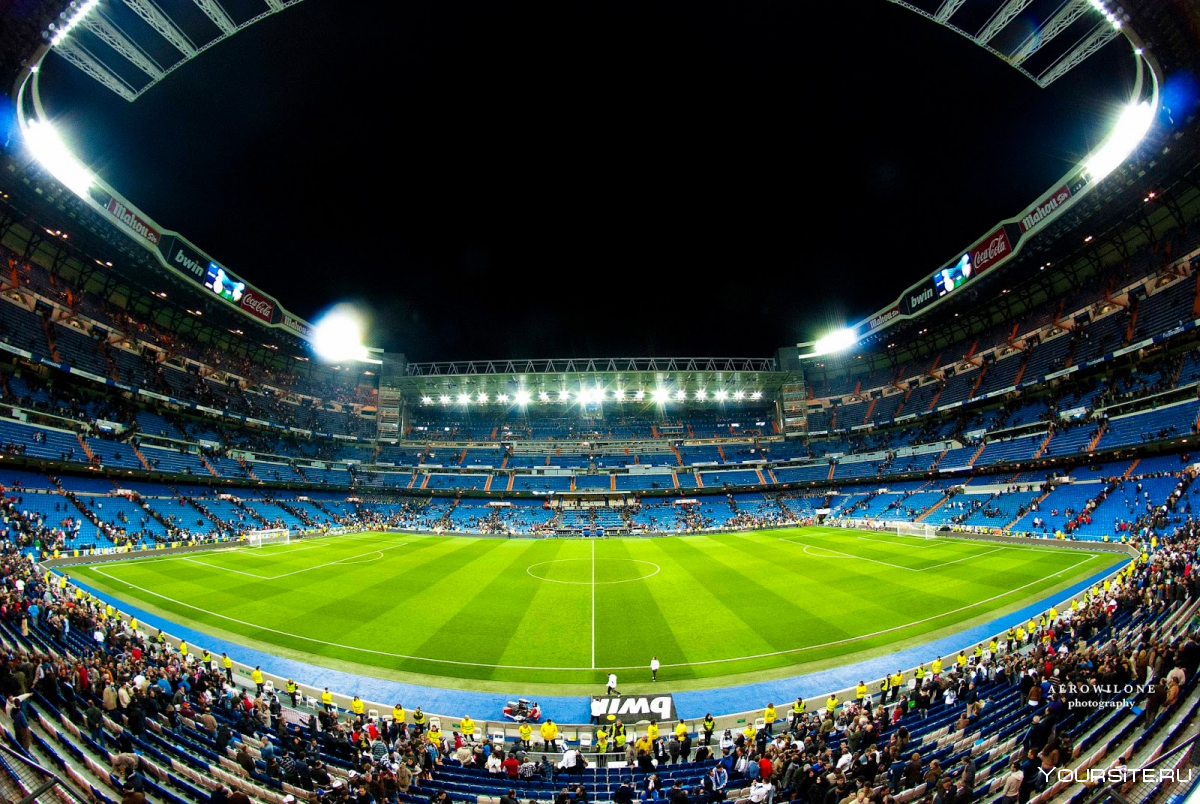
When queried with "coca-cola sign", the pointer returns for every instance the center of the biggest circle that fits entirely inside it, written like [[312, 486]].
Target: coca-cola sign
[[991, 251], [1045, 208], [133, 222], [258, 304]]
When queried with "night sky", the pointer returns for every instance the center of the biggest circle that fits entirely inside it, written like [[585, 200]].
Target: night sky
[[553, 179]]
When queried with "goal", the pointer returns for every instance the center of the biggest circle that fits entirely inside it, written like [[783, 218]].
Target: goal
[[258, 538], [917, 529]]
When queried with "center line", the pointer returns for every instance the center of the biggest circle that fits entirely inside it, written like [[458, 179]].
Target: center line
[[593, 605]]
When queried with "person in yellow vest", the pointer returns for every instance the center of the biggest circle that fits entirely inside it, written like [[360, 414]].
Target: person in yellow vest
[[549, 736], [161, 639], [206, 660], [356, 706], [978, 655], [63, 581], [601, 740], [831, 703], [1074, 604], [919, 675], [108, 610], [860, 692], [1108, 584], [1154, 542], [936, 667], [418, 721], [681, 730], [400, 718], [709, 724], [619, 737], [884, 686], [769, 718], [750, 733], [798, 710], [896, 682], [1020, 634], [256, 675], [524, 732], [961, 660], [133, 624], [1031, 627], [327, 700], [652, 731], [467, 727], [227, 665], [1106, 538], [1043, 621], [434, 735], [292, 689], [643, 743], [993, 646], [183, 649], [1122, 538]]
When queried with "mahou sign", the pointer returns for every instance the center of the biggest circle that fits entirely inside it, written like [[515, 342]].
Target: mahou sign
[[1045, 208], [133, 222], [258, 304]]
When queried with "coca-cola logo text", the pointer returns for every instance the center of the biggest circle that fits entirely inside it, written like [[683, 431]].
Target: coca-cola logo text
[[990, 251], [259, 305]]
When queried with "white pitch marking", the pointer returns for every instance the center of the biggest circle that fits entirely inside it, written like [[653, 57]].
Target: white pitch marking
[[885, 563]]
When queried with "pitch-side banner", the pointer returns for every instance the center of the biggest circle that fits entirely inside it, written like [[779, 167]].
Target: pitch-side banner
[[632, 708]]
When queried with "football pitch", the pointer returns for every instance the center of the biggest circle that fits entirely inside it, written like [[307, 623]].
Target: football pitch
[[557, 611]]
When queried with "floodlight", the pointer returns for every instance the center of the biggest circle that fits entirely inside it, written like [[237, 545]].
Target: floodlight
[[836, 341], [49, 150], [502, 399], [619, 394], [701, 394], [1131, 127], [739, 395], [66, 22], [640, 395], [681, 394], [464, 399], [721, 395], [543, 396], [660, 395], [426, 400], [444, 399], [482, 398], [337, 337], [564, 395], [522, 397], [756, 395]]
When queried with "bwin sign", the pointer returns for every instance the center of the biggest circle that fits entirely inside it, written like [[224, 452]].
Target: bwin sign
[[632, 708]]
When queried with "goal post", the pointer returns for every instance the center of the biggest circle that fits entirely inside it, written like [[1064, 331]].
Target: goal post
[[919, 530], [260, 538]]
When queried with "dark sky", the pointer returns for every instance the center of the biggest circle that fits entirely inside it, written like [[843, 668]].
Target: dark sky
[[551, 179]]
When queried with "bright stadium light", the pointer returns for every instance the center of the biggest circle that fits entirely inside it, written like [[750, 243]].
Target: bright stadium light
[[701, 394], [502, 399], [52, 153], [464, 399], [619, 394], [721, 395], [836, 341], [482, 398], [739, 395], [564, 395], [69, 19], [1131, 127], [337, 337], [522, 397], [681, 394], [543, 396], [426, 400], [640, 395], [756, 395], [660, 395], [444, 399]]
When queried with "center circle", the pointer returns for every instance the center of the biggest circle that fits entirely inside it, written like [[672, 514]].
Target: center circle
[[586, 571]]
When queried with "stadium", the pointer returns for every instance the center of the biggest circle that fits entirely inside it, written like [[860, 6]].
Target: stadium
[[938, 548]]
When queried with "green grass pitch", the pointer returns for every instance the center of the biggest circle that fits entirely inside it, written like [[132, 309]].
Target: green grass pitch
[[562, 611]]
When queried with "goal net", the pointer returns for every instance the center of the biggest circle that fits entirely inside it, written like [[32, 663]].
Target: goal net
[[917, 529], [258, 538]]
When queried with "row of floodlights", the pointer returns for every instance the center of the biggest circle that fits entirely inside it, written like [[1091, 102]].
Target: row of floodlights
[[68, 19], [1114, 17], [595, 396]]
